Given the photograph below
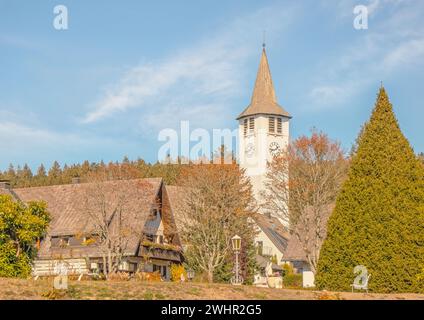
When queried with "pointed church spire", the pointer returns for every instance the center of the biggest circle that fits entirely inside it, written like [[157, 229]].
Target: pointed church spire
[[264, 88], [264, 100]]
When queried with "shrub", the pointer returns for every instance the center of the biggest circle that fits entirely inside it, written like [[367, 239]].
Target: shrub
[[291, 279], [20, 227], [176, 271], [148, 276]]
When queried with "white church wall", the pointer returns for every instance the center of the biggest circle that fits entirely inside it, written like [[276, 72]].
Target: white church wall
[[255, 163]]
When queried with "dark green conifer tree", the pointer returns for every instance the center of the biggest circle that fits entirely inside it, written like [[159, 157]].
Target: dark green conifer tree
[[378, 220]]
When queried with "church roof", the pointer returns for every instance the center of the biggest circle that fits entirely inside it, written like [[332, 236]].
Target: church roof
[[274, 230], [264, 100]]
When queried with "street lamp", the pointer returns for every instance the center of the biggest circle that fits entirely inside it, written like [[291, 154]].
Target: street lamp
[[190, 274], [236, 244]]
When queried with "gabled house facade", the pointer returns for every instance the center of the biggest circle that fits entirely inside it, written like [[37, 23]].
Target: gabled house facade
[[271, 242]]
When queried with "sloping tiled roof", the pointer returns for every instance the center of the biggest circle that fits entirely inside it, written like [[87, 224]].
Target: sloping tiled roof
[[274, 230], [264, 100], [263, 263], [175, 196], [69, 213], [295, 250]]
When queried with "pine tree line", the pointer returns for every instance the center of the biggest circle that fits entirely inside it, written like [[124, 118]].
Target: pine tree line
[[22, 177]]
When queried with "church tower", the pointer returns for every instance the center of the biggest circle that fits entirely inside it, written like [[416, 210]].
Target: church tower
[[263, 129]]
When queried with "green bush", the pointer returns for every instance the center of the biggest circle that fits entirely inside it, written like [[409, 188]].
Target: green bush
[[176, 271], [20, 226], [293, 280], [378, 220]]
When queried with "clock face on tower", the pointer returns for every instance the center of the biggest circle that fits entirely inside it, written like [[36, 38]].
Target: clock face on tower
[[274, 149], [250, 150]]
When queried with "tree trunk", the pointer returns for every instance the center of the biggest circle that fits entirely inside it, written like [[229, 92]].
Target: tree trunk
[[109, 262], [210, 275]]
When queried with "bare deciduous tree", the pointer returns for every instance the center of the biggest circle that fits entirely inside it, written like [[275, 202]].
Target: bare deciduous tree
[[302, 186], [115, 211], [215, 207]]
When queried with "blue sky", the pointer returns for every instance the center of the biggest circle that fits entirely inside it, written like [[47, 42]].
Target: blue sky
[[124, 70]]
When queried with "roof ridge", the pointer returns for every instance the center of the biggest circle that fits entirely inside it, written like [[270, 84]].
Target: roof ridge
[[85, 183]]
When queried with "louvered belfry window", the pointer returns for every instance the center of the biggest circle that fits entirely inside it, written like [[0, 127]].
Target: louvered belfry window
[[251, 125], [271, 124], [245, 127], [279, 125]]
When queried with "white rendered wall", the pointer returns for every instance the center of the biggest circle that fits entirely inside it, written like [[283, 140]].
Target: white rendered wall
[[256, 165]]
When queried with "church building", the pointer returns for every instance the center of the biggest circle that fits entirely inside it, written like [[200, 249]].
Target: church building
[[263, 134]]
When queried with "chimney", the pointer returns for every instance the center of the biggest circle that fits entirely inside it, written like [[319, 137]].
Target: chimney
[[76, 180], [5, 184]]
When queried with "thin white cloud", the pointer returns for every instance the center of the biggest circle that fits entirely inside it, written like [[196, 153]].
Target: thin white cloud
[[389, 46], [409, 52], [19, 134], [194, 113], [211, 70]]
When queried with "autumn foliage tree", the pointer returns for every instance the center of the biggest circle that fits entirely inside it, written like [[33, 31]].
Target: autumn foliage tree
[[378, 220], [217, 205], [302, 185]]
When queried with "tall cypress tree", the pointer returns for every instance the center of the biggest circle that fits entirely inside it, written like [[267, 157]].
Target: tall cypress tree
[[378, 220]]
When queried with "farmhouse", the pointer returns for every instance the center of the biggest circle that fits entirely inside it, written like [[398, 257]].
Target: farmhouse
[[150, 246]]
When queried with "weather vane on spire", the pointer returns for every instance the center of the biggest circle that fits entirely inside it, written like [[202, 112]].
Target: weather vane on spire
[[263, 39]]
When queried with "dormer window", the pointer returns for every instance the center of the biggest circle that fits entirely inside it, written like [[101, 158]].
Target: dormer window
[[61, 242], [65, 242], [149, 237], [271, 124]]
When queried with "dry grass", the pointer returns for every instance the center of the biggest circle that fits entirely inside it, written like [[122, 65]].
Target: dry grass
[[128, 290]]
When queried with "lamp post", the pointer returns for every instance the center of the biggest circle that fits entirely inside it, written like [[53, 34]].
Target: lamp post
[[190, 274], [236, 244]]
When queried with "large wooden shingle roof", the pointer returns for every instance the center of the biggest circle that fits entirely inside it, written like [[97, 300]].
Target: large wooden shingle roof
[[68, 206]]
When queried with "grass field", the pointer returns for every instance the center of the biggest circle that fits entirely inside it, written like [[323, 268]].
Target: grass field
[[127, 290]]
